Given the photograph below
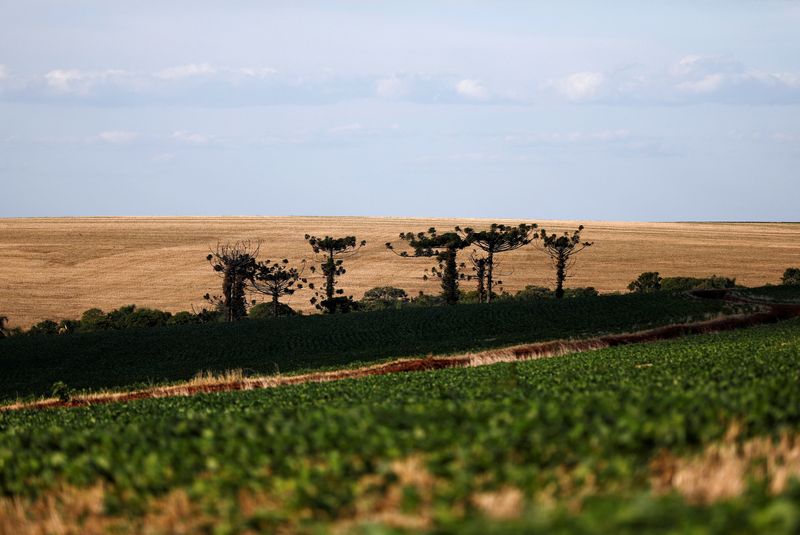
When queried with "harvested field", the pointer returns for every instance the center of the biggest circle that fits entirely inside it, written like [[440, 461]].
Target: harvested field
[[57, 268]]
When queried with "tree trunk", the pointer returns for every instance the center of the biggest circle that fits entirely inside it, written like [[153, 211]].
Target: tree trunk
[[330, 280], [450, 278], [275, 305], [489, 280], [561, 274]]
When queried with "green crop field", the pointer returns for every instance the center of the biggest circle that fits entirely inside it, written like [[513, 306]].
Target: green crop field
[[30, 365], [773, 294], [573, 444]]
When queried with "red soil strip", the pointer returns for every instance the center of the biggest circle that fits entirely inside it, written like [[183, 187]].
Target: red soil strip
[[771, 313]]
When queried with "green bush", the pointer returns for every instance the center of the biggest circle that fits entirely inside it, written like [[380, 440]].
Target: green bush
[[684, 284], [649, 281], [44, 327], [183, 318], [266, 310], [383, 297], [542, 292], [791, 277], [535, 292]]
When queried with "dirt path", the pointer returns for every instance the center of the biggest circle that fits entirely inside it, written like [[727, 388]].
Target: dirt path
[[234, 381]]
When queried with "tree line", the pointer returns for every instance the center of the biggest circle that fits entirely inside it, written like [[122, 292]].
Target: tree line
[[242, 272]]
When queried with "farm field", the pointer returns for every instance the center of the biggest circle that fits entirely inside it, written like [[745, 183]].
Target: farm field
[[57, 268], [29, 365], [692, 435]]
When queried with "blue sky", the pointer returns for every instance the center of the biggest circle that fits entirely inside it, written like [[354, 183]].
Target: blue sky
[[586, 110]]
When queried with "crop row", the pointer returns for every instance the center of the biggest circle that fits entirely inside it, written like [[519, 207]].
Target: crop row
[[30, 365], [311, 447]]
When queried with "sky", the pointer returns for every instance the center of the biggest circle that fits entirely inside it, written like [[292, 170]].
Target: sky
[[499, 109]]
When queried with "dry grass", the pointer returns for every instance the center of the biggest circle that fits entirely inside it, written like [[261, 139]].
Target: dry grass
[[57, 268], [722, 470]]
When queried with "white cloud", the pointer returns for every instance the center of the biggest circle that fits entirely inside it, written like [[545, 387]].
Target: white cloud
[[707, 84], [391, 87], [79, 82], [472, 89], [257, 72], [190, 138], [3, 72], [186, 71], [117, 137], [580, 85]]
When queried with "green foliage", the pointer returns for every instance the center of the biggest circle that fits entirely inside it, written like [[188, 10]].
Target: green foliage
[[267, 310], [444, 249], [685, 284], [498, 238], [275, 280], [775, 294], [791, 277], [331, 253], [541, 426], [116, 358], [542, 292], [183, 318], [649, 281], [131, 317], [236, 265], [61, 391], [561, 249], [44, 327], [383, 297], [93, 319]]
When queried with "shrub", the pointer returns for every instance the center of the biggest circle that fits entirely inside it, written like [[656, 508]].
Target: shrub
[[61, 391], [44, 327], [93, 319], [183, 318], [145, 317], [791, 277], [647, 282], [267, 310], [683, 284], [383, 297], [587, 291], [532, 291], [425, 300]]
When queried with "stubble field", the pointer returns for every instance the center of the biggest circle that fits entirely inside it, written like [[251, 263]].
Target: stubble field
[[57, 268]]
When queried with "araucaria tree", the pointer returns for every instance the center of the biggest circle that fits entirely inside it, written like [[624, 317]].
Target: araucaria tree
[[444, 248], [561, 249], [331, 253], [276, 279], [479, 268], [3, 323], [236, 264], [497, 239]]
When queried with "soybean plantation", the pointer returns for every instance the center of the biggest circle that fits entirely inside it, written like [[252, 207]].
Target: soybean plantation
[[627, 439], [115, 359]]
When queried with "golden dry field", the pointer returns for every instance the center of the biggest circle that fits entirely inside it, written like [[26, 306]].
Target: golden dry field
[[57, 268]]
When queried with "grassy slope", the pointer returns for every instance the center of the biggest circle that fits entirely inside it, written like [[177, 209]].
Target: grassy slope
[[305, 448], [30, 365]]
